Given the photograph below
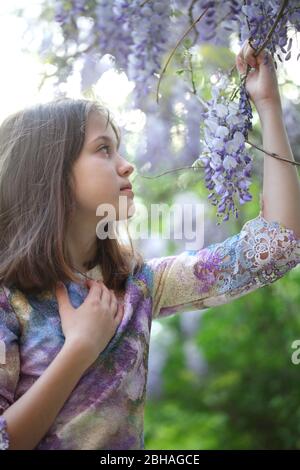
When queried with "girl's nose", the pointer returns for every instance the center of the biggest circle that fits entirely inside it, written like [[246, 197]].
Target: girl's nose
[[125, 168]]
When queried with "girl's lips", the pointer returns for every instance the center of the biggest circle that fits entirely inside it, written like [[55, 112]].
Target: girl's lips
[[127, 191], [127, 186]]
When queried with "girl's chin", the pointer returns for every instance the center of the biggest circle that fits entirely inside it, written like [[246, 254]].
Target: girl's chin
[[126, 208], [127, 212]]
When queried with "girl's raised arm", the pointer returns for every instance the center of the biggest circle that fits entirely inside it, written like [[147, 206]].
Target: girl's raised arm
[[267, 247], [281, 187]]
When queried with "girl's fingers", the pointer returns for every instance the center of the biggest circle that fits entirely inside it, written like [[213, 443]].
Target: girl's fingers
[[62, 298], [249, 56], [88, 282], [98, 288], [107, 292], [246, 55], [120, 311], [241, 65], [246, 58], [105, 297], [113, 303]]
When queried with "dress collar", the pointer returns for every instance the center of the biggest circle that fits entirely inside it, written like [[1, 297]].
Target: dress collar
[[95, 273]]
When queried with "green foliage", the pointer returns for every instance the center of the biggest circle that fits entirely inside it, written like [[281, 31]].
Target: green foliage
[[249, 398]]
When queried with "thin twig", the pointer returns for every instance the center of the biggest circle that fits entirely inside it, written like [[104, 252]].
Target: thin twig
[[173, 52], [169, 171], [272, 154], [190, 13], [76, 54], [268, 37], [196, 168], [191, 71]]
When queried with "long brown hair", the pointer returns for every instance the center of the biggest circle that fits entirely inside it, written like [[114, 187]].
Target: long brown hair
[[38, 147]]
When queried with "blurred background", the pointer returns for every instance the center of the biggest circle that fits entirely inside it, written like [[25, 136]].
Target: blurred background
[[221, 378]]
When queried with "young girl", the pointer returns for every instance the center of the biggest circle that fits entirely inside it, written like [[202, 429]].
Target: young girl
[[74, 357]]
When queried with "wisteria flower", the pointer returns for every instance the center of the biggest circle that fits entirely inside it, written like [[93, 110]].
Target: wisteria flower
[[227, 164]]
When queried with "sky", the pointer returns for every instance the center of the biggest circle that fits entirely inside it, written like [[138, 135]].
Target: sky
[[20, 71]]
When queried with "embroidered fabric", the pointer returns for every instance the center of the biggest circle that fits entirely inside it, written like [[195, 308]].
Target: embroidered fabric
[[4, 438], [106, 408], [259, 254]]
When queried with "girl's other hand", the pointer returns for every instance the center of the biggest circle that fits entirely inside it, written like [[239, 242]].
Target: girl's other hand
[[92, 325]]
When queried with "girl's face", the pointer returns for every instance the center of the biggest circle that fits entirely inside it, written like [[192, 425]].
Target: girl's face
[[100, 172]]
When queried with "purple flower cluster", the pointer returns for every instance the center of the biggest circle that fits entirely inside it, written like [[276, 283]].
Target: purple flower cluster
[[112, 28], [293, 14], [65, 11], [227, 165], [219, 21], [137, 36], [149, 27], [258, 19]]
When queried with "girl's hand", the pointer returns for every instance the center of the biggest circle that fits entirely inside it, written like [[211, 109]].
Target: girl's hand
[[92, 325], [261, 83]]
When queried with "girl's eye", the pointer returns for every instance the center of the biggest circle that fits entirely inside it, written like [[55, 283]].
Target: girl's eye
[[103, 147]]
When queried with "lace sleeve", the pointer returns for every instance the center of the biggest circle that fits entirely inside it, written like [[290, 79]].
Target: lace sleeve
[[260, 254]]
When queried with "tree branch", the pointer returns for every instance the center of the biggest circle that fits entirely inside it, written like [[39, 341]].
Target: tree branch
[[272, 154], [174, 49]]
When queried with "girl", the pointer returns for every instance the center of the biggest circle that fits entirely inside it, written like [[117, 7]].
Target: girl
[[74, 357]]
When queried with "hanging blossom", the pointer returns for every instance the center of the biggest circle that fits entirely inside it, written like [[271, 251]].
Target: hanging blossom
[[66, 14], [65, 11], [258, 19], [219, 21], [112, 28], [139, 36], [149, 27], [293, 14], [251, 18], [227, 165], [110, 32]]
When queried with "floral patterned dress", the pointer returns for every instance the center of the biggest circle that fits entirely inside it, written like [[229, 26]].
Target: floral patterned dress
[[105, 411]]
